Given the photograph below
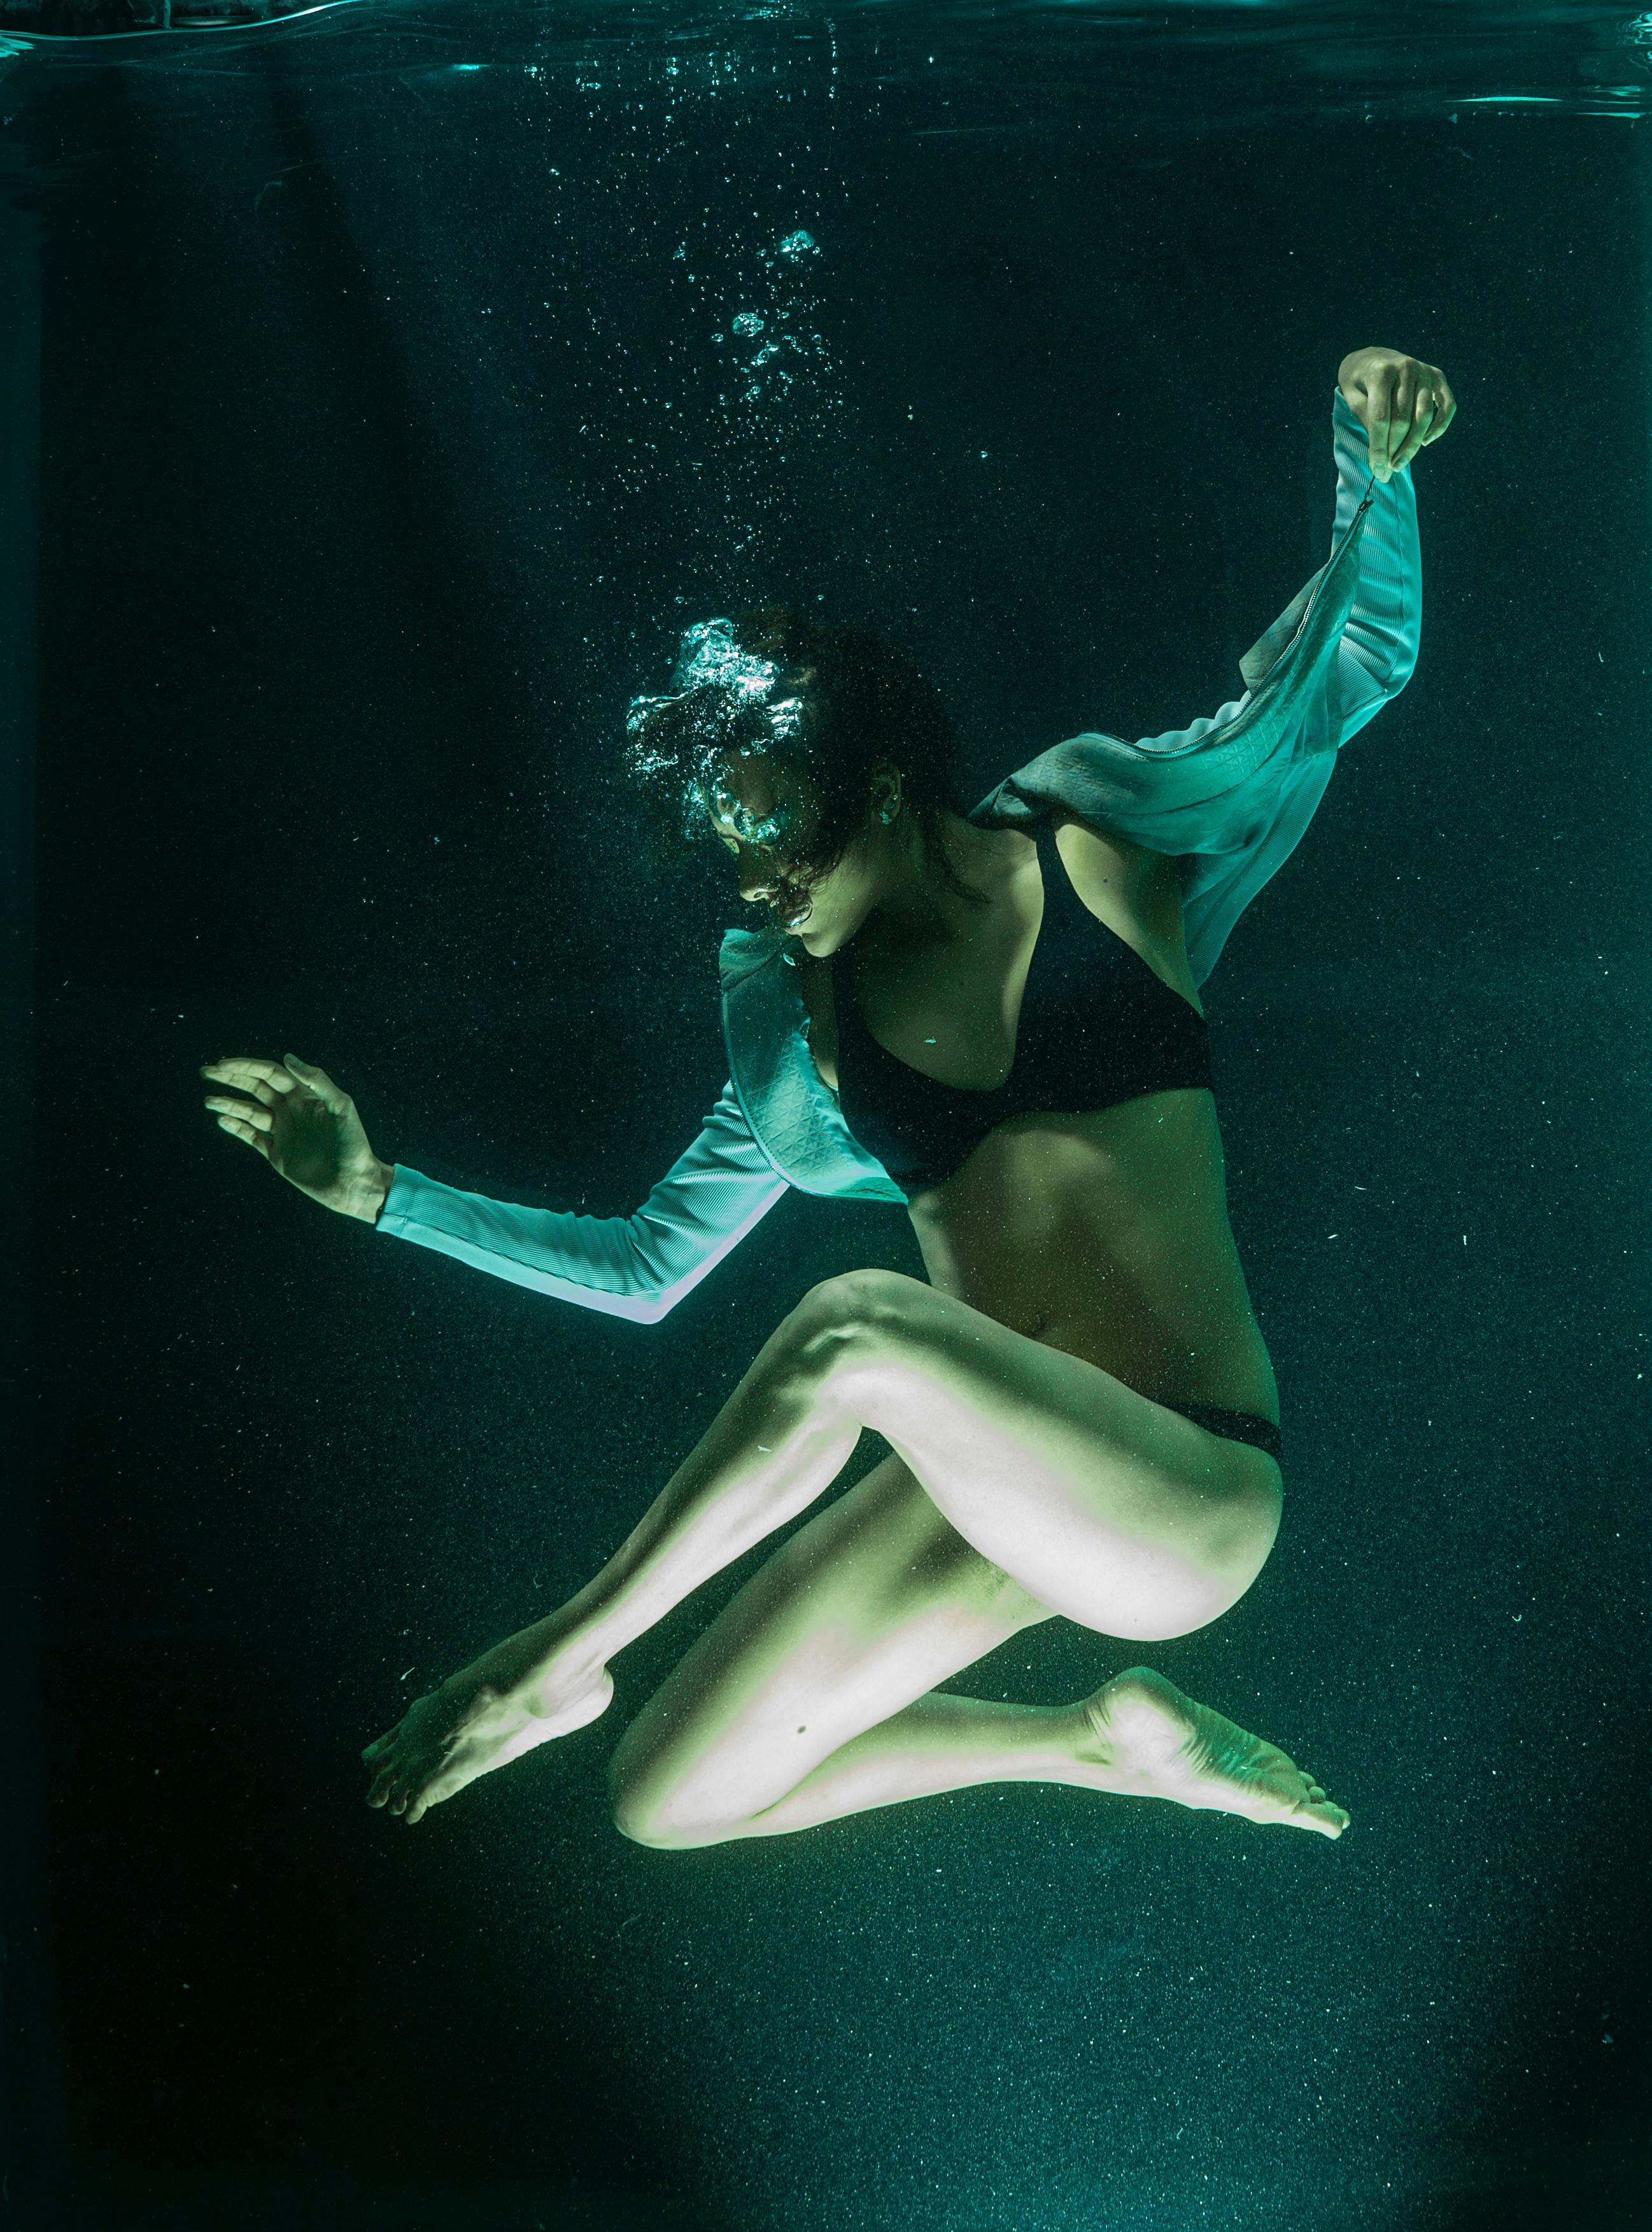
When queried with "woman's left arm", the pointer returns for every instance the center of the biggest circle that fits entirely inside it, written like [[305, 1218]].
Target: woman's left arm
[[1230, 795]]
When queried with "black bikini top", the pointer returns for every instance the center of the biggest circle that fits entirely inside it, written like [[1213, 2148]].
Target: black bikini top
[[1097, 1027]]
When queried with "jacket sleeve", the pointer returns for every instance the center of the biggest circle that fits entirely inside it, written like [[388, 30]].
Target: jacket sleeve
[[1231, 794], [1263, 820], [635, 1267], [1258, 826], [1378, 652]]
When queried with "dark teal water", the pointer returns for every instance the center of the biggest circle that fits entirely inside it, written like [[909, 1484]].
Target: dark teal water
[[377, 419]]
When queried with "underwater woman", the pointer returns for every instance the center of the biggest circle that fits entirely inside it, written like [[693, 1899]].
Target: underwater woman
[[991, 1017]]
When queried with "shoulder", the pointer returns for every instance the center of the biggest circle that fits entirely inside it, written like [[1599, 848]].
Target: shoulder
[[1136, 892], [1109, 871]]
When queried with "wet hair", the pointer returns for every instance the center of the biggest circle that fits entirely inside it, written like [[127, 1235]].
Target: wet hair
[[828, 702]]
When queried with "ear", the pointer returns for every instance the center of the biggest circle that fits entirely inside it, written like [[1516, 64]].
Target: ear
[[885, 790]]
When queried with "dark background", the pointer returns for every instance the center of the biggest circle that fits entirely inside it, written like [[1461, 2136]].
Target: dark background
[[385, 444]]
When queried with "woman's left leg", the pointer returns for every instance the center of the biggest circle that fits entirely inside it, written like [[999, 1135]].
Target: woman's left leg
[[812, 1696]]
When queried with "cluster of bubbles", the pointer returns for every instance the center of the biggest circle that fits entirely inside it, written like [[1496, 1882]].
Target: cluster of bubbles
[[771, 360], [726, 705]]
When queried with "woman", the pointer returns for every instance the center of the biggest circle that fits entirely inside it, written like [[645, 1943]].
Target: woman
[[995, 1018]]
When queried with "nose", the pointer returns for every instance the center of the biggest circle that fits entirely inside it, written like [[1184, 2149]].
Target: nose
[[757, 877]]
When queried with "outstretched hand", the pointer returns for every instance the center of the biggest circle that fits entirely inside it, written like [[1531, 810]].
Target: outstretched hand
[[304, 1126], [1402, 404]]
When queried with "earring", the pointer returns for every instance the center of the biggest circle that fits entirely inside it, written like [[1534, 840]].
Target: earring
[[886, 814]]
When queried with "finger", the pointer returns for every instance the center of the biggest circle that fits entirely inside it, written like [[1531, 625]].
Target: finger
[[318, 1081], [1421, 418], [246, 1071], [1446, 412], [1379, 421], [247, 1111], [237, 1130]]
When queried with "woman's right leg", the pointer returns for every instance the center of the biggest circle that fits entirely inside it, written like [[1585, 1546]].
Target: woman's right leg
[[859, 1614]]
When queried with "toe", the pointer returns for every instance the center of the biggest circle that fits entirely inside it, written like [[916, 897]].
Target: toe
[[1323, 1816]]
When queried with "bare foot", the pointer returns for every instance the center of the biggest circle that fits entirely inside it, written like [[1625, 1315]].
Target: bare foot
[[473, 1724], [1148, 1741]]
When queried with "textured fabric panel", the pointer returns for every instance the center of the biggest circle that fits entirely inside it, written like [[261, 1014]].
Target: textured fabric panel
[[794, 1115]]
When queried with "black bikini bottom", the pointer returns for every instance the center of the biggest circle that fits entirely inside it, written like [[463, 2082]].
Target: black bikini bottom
[[1234, 1426]]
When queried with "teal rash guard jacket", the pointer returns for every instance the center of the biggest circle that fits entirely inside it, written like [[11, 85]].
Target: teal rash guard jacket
[[1228, 798]]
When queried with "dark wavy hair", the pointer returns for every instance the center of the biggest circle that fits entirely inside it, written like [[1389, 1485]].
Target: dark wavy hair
[[828, 702]]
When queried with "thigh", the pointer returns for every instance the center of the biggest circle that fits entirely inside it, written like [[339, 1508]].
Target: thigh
[[1105, 1505], [865, 1608]]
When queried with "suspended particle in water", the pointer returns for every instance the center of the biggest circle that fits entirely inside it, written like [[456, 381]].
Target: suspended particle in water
[[796, 246], [749, 322]]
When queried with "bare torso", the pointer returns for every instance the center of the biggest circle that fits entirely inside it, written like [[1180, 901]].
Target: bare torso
[[1104, 1234]]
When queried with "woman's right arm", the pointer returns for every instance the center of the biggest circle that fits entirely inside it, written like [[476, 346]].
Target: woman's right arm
[[635, 1267]]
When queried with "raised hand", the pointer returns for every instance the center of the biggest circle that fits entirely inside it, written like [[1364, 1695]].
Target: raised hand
[[304, 1126], [1402, 404]]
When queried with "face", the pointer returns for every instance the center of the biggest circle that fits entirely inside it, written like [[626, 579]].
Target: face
[[827, 915]]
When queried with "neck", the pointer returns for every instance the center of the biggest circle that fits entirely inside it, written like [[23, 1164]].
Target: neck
[[916, 905]]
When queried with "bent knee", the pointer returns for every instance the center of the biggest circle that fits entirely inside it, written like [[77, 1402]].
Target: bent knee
[[652, 1806], [1236, 1544], [664, 1831], [644, 1826], [650, 1819], [857, 1319], [1199, 1569], [855, 1302]]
